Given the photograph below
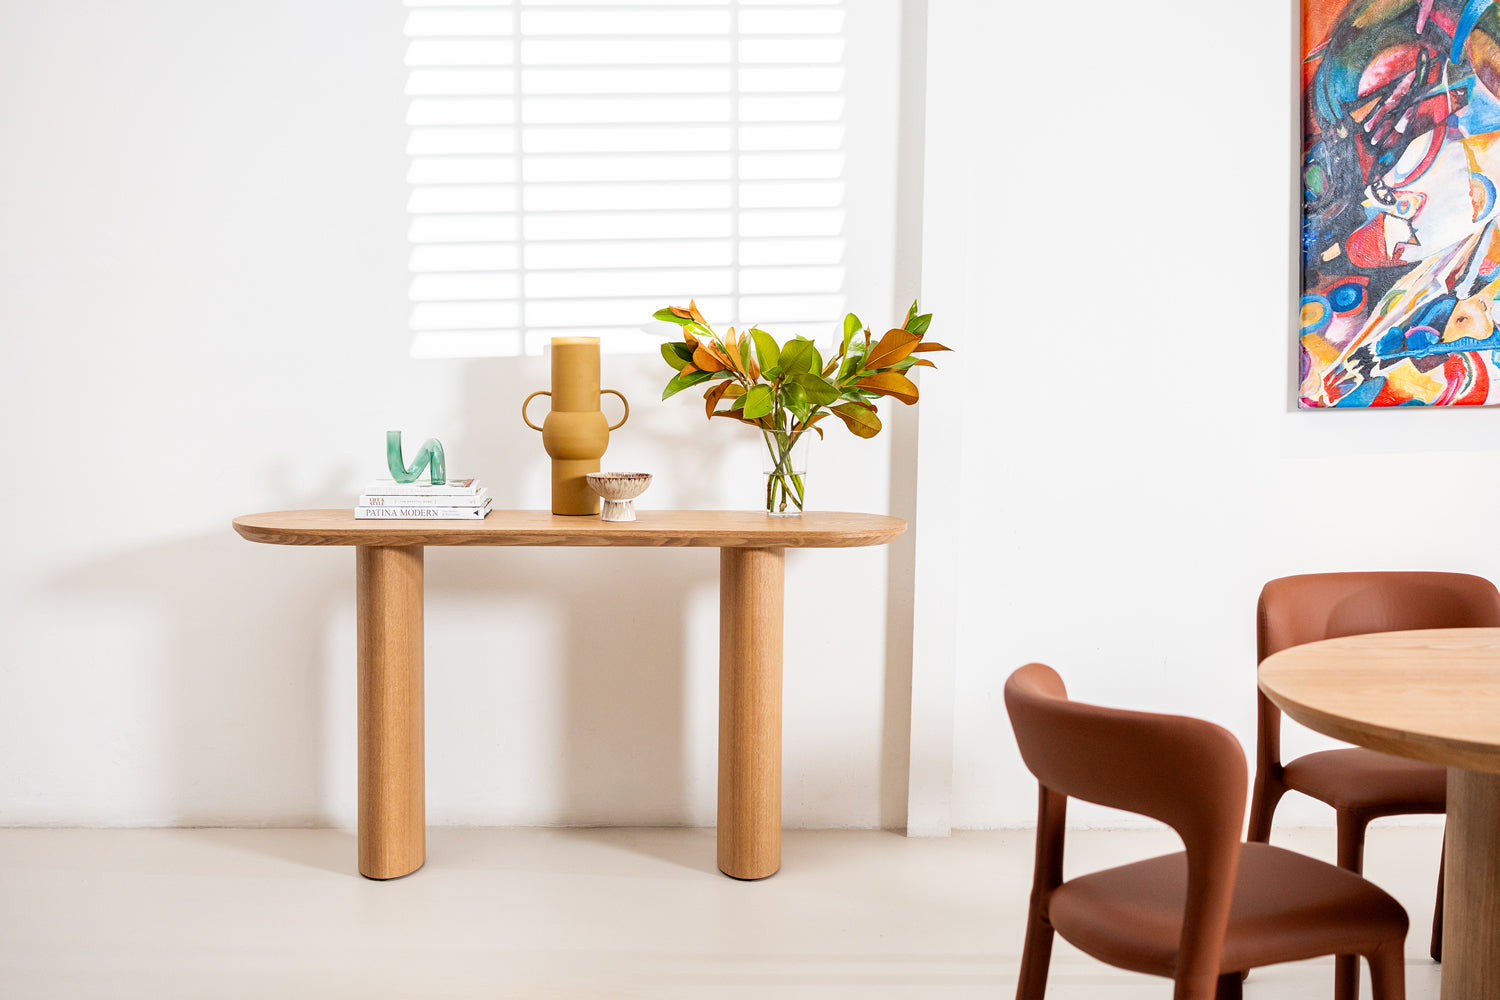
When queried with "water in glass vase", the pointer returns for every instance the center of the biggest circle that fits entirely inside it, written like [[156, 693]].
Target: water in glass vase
[[784, 463]]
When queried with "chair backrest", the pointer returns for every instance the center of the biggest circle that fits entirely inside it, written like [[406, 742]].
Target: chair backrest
[[1299, 609], [1188, 773]]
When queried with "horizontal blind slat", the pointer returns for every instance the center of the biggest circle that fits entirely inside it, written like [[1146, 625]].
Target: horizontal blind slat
[[575, 164]]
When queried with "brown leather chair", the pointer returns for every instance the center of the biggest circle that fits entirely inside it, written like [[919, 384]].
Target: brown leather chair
[[1200, 917], [1360, 784]]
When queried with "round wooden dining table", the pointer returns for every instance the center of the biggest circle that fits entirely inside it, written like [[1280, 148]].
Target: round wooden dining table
[[1431, 695]]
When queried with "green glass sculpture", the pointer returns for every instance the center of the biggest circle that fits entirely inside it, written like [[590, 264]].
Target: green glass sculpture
[[429, 457]]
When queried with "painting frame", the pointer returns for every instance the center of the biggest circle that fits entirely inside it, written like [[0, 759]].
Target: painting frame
[[1399, 236]]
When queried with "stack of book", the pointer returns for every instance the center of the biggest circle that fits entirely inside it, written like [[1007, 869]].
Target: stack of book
[[455, 500]]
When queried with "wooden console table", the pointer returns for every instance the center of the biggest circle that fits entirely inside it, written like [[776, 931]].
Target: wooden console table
[[388, 580]]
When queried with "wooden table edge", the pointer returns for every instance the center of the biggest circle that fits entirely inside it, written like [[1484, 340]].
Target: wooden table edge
[[1435, 749], [1386, 739], [861, 530]]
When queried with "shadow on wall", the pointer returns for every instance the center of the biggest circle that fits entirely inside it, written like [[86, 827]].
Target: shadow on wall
[[251, 699], [622, 613], [258, 641], [901, 568], [235, 703]]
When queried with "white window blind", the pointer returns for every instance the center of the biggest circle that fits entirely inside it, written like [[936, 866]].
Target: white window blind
[[574, 166]]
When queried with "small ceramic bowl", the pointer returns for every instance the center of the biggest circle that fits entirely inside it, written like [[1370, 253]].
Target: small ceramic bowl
[[618, 490]]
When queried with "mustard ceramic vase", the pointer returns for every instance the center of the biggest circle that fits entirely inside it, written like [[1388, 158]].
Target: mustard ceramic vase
[[575, 432]]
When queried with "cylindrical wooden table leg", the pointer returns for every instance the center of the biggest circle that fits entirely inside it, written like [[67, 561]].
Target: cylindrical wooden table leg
[[750, 612], [1471, 887], [392, 806]]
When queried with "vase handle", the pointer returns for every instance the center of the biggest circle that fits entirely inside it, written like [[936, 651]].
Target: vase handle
[[534, 395], [623, 400]]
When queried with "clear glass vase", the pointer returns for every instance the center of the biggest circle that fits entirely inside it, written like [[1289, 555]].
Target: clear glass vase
[[784, 463]]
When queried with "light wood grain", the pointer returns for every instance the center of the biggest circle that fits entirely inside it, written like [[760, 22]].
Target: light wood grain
[[392, 797], [750, 644], [1431, 695], [697, 528], [389, 570], [1471, 886]]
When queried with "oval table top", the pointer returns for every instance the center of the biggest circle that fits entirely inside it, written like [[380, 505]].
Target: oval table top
[[700, 528], [1432, 694]]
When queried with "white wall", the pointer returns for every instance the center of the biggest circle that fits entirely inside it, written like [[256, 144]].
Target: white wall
[[1116, 191], [203, 299]]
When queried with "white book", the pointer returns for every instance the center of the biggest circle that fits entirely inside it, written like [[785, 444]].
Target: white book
[[426, 500], [422, 512], [453, 487]]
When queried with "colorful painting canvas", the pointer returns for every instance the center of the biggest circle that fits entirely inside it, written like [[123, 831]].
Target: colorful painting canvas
[[1400, 218]]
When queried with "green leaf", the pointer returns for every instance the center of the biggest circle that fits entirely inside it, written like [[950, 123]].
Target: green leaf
[[766, 351], [818, 390], [800, 355], [758, 402], [852, 361], [794, 395], [677, 354], [681, 382], [668, 316], [861, 421], [919, 324], [852, 325], [745, 354]]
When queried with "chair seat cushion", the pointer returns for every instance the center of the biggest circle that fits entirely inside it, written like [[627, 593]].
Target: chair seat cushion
[[1356, 778], [1286, 907]]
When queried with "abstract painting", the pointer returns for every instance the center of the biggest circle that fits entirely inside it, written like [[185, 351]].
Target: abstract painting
[[1400, 218]]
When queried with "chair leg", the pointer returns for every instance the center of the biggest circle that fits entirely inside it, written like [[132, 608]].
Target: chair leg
[[1351, 856], [1388, 972], [1036, 955], [1351, 834], [1230, 986], [1268, 793], [1437, 911]]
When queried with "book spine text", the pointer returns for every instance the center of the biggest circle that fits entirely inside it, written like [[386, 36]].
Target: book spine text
[[422, 512]]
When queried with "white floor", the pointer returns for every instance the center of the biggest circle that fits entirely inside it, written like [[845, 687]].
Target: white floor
[[544, 914]]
